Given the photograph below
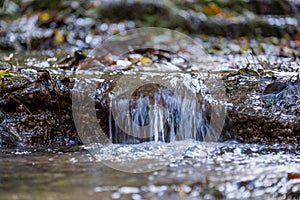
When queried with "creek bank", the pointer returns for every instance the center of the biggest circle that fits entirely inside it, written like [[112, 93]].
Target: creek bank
[[36, 110]]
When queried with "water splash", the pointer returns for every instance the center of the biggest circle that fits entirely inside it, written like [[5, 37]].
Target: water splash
[[180, 107], [148, 156]]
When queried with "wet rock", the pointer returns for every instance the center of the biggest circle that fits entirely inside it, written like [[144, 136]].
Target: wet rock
[[145, 14], [37, 111], [270, 7], [297, 126], [264, 117]]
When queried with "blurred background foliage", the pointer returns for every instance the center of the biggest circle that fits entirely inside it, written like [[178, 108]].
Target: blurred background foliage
[[39, 24]]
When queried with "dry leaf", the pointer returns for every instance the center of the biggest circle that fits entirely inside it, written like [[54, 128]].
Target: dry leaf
[[2, 72]]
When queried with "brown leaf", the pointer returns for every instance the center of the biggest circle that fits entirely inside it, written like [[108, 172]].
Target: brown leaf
[[275, 87], [293, 175]]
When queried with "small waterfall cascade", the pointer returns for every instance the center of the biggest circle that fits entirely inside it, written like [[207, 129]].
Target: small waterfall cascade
[[178, 107]]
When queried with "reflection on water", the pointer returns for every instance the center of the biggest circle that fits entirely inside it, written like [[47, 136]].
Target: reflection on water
[[211, 171]]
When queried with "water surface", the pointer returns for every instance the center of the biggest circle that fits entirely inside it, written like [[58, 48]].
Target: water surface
[[194, 170]]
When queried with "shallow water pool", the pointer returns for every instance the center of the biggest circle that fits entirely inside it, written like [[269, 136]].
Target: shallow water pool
[[194, 170]]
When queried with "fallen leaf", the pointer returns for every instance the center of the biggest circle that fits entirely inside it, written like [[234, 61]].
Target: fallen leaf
[[248, 71], [297, 39], [145, 61], [275, 87], [212, 9], [2, 72], [293, 175], [245, 48], [44, 16], [58, 36], [229, 14]]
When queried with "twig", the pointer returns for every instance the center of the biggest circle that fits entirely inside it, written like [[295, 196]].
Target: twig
[[16, 100]]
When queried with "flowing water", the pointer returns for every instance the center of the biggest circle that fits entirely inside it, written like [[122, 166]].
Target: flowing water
[[162, 107], [181, 169], [189, 170]]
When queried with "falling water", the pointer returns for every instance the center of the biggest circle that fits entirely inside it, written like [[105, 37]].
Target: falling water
[[177, 108]]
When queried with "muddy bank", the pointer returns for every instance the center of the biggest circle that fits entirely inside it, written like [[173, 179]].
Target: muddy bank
[[36, 110]]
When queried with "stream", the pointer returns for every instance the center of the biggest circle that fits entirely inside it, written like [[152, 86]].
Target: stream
[[181, 169], [194, 170], [151, 113]]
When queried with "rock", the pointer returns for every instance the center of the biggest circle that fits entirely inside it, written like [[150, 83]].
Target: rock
[[270, 7], [297, 127], [36, 111], [145, 14], [275, 87]]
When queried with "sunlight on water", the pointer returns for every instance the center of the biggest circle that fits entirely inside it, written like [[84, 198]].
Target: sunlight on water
[[236, 170], [148, 156], [186, 169]]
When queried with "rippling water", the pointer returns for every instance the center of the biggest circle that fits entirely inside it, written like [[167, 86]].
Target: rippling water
[[184, 169], [178, 170]]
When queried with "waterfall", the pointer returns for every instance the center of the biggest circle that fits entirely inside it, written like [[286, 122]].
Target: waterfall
[[177, 107]]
